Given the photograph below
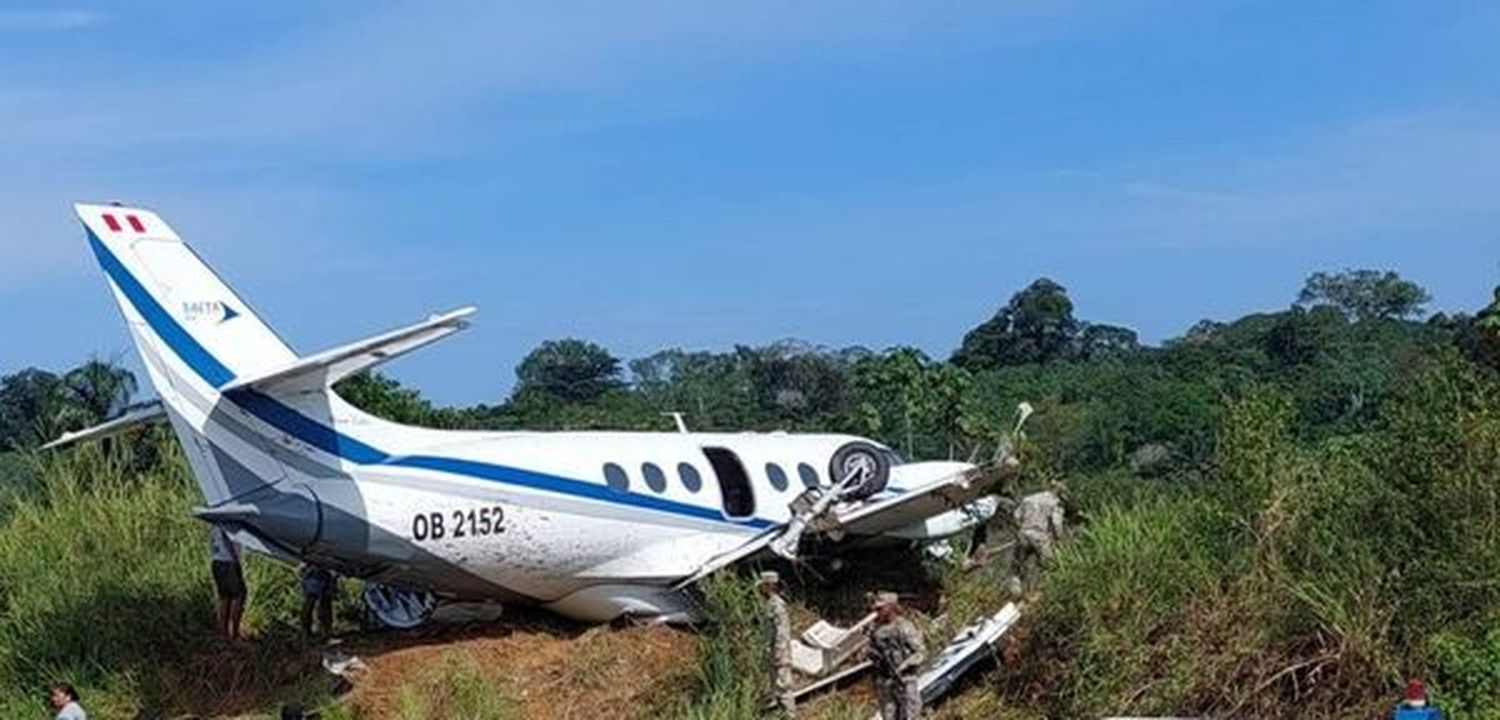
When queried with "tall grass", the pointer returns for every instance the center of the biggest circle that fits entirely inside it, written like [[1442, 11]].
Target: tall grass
[[1301, 578], [456, 688], [733, 683], [104, 584]]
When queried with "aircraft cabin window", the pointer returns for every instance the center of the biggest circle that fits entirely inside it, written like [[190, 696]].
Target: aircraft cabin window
[[808, 474], [734, 482], [655, 478], [615, 478], [690, 477], [777, 476]]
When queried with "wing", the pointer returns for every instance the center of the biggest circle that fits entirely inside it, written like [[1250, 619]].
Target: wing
[[940, 495]]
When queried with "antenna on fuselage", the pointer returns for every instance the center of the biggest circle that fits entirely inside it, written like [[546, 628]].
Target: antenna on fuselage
[[677, 418]]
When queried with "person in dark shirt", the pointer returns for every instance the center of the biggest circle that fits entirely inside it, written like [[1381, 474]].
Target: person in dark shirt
[[318, 588]]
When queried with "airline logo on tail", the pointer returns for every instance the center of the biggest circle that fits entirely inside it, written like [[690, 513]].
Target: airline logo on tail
[[208, 311]]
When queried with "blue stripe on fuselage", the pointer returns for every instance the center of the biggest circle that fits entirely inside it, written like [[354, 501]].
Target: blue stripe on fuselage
[[333, 442]]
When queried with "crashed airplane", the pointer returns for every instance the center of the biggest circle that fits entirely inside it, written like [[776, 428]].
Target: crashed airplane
[[591, 525]]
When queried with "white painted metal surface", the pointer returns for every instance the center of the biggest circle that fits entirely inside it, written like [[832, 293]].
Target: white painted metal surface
[[296, 472]]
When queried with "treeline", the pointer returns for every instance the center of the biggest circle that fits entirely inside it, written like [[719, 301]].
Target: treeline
[[1107, 400]]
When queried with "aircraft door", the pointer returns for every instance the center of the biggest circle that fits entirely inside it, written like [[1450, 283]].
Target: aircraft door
[[734, 483]]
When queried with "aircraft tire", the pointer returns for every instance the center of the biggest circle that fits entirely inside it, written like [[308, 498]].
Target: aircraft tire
[[863, 457]]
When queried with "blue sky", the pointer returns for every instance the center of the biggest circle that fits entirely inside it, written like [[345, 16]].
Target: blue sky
[[690, 174]]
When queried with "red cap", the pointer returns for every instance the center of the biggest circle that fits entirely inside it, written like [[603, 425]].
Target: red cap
[[1415, 690]]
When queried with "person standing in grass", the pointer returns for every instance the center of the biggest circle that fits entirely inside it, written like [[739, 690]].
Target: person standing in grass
[[1415, 706], [318, 588], [229, 580], [1039, 521], [895, 649], [779, 642], [64, 699]]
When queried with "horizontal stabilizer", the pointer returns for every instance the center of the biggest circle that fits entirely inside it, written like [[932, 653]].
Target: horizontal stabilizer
[[144, 415], [318, 371]]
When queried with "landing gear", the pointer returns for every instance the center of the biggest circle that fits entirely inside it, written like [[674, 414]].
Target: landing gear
[[398, 608], [868, 465]]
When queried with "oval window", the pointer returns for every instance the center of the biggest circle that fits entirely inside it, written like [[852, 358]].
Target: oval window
[[615, 478], [808, 474], [776, 475], [690, 477], [655, 478]]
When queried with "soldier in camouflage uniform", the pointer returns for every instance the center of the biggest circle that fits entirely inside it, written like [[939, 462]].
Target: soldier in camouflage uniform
[[1039, 525], [779, 640], [896, 650]]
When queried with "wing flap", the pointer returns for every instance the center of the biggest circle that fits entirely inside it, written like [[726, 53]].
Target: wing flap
[[325, 368]]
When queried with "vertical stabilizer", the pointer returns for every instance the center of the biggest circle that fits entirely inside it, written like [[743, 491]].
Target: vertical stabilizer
[[195, 336]]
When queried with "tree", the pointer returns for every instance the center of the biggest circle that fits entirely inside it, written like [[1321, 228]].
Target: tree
[[37, 405], [713, 389], [793, 381], [1364, 294], [1299, 337], [30, 401], [384, 397], [570, 370], [1036, 326], [99, 390], [1102, 342]]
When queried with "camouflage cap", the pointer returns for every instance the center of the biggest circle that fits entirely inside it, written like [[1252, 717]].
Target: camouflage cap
[[883, 598], [769, 576]]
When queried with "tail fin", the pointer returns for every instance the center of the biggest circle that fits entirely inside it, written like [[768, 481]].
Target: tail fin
[[195, 336], [178, 309]]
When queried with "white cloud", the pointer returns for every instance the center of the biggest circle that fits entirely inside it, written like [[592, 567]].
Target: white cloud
[[48, 20]]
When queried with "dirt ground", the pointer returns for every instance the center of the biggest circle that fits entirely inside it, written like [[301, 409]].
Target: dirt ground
[[546, 667]]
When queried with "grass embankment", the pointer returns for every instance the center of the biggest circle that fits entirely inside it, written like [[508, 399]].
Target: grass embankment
[[1297, 578], [104, 584]]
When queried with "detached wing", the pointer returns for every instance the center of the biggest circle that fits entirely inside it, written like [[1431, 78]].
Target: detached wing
[[944, 493]]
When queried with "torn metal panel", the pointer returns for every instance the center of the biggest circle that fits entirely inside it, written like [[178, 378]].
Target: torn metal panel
[[964, 651], [722, 560], [825, 646]]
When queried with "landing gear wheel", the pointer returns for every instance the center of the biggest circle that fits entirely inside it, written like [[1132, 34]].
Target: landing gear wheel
[[869, 464], [398, 608]]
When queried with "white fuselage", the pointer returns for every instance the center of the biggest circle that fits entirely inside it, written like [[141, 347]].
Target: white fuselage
[[592, 525]]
